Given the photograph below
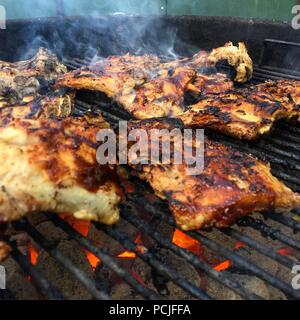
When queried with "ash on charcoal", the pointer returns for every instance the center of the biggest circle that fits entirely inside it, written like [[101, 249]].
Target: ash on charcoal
[[178, 264], [254, 284], [19, 284], [57, 274], [101, 240], [60, 277]]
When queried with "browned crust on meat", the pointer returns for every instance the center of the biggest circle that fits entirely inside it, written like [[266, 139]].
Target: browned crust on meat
[[246, 113], [5, 250], [232, 185]]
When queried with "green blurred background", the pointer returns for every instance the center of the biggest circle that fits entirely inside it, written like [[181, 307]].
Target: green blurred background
[[264, 9]]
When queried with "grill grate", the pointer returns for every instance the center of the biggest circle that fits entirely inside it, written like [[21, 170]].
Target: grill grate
[[279, 148]]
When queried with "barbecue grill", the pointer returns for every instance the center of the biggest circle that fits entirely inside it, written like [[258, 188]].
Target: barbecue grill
[[269, 237]]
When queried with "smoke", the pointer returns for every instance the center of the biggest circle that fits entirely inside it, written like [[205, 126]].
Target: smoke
[[99, 35]]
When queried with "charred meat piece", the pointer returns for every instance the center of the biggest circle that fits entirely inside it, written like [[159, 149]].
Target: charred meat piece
[[112, 75], [204, 84], [235, 56], [26, 78], [164, 95], [50, 165], [247, 113], [5, 249], [118, 76], [232, 185], [160, 97], [286, 92], [56, 105]]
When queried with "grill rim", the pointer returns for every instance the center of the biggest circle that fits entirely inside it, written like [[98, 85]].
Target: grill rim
[[126, 241]]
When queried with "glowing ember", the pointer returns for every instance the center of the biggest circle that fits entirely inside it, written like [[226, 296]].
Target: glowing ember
[[227, 263], [92, 259], [80, 226], [138, 278], [32, 253], [132, 255], [239, 245], [184, 241], [223, 265], [129, 187], [83, 228], [286, 251], [127, 254]]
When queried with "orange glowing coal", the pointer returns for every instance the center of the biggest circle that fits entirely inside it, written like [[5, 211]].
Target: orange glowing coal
[[92, 259], [227, 263], [83, 228], [127, 255], [184, 241], [286, 251], [32, 254], [129, 187], [223, 266], [132, 255]]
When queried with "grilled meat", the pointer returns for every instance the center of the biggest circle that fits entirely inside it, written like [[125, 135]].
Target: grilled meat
[[213, 83], [26, 78], [236, 57], [247, 113], [4, 250], [112, 75], [147, 88], [50, 165], [56, 105], [116, 76], [232, 185], [160, 97], [286, 92], [164, 95]]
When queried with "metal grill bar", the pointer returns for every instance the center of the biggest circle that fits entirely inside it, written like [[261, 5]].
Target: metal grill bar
[[229, 231], [105, 258], [259, 247], [247, 221], [153, 261], [258, 150], [237, 259], [190, 257], [247, 265], [287, 159], [50, 248], [260, 153], [269, 231], [41, 282], [263, 149], [289, 222]]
